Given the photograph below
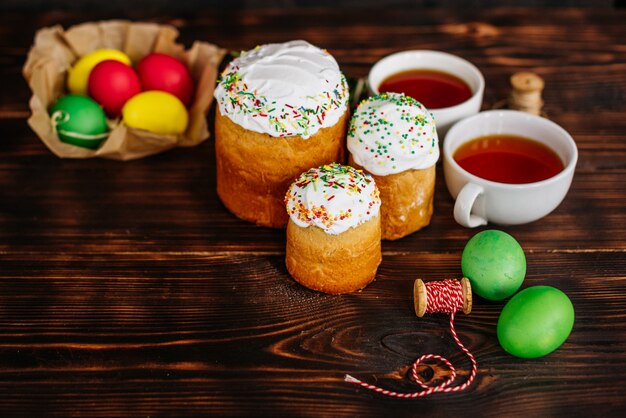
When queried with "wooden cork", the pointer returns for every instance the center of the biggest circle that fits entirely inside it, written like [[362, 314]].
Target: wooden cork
[[526, 92], [420, 296]]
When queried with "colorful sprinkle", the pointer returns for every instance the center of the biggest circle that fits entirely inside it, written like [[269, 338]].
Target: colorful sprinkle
[[313, 105], [333, 197], [390, 133]]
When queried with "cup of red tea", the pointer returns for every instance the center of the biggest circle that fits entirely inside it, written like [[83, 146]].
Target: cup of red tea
[[507, 167], [449, 86]]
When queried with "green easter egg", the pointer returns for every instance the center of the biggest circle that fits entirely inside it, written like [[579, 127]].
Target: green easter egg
[[79, 121], [535, 322], [495, 264]]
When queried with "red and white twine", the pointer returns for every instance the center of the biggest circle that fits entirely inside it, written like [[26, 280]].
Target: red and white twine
[[442, 297]]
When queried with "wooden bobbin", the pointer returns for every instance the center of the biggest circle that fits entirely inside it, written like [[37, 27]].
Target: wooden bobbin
[[420, 296], [526, 93]]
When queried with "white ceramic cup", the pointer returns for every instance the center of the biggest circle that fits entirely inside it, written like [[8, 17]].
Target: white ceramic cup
[[438, 61], [479, 201]]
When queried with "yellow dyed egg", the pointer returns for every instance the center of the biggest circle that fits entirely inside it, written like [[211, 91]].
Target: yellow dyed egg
[[156, 111], [78, 75]]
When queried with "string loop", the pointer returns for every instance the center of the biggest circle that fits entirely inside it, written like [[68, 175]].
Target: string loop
[[60, 117], [442, 297]]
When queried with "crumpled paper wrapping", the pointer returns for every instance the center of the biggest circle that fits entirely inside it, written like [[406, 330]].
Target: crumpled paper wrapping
[[54, 52]]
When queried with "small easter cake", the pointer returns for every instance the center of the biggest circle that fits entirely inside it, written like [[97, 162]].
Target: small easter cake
[[393, 137], [333, 235], [282, 108]]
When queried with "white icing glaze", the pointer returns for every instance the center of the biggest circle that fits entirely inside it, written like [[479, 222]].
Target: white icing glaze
[[333, 197], [391, 133], [285, 89]]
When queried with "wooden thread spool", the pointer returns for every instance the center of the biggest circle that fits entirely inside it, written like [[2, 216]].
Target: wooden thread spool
[[526, 93], [447, 297], [420, 296]]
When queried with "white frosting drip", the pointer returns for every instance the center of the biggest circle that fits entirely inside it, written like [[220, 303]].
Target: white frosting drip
[[391, 133], [333, 197], [285, 89]]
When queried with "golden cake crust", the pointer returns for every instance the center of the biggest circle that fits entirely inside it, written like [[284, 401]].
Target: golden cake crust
[[255, 170], [407, 200], [335, 264]]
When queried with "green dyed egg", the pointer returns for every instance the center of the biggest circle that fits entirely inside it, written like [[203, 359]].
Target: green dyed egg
[[535, 322], [495, 264], [79, 121]]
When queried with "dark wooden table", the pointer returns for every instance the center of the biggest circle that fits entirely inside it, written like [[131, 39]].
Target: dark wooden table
[[128, 289]]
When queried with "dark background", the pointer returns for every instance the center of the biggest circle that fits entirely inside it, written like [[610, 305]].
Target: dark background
[[182, 6], [127, 289]]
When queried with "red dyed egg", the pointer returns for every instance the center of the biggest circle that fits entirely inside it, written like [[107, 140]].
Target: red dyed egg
[[111, 84], [163, 72]]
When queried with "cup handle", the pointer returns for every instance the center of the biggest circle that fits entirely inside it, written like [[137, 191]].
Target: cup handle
[[463, 206]]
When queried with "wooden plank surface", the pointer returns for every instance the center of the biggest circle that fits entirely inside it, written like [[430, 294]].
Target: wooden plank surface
[[128, 289], [233, 334]]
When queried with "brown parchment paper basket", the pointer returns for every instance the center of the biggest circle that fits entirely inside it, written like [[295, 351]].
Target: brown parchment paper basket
[[56, 49]]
